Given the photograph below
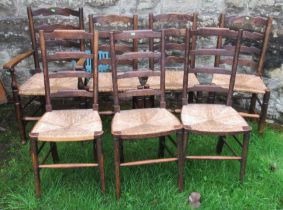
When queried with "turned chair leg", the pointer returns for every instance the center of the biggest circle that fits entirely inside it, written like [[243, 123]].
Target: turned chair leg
[[19, 114], [181, 159], [100, 159], [121, 149], [54, 152], [161, 146], [246, 137], [220, 144], [94, 150], [117, 167], [34, 155], [252, 103], [263, 112]]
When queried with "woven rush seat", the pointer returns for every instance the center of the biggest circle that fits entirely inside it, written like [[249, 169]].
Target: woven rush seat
[[68, 125], [105, 83], [244, 83], [173, 80], [212, 118], [138, 122], [34, 86]]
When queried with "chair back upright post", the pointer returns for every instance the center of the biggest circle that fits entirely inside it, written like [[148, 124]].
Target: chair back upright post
[[34, 28], [115, 59], [67, 55], [256, 30], [171, 18], [226, 52]]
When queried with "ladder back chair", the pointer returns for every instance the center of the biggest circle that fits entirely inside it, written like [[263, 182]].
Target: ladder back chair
[[67, 125], [105, 24], [174, 48], [253, 51], [33, 88], [146, 122], [214, 119]]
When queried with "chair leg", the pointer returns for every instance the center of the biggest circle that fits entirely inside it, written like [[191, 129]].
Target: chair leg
[[54, 152], [34, 155], [220, 144], [161, 146], [191, 97], [100, 159], [185, 142], [19, 114], [117, 167], [181, 159], [94, 151], [121, 149], [252, 104], [263, 112], [246, 137]]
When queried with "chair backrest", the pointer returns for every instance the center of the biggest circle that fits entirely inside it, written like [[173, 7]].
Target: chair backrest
[[256, 36], [203, 50], [107, 23], [116, 58], [171, 21], [49, 56], [35, 27]]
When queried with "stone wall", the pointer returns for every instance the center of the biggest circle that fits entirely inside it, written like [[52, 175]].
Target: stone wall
[[14, 36]]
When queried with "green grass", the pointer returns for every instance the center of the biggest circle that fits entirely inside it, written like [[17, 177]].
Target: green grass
[[144, 187]]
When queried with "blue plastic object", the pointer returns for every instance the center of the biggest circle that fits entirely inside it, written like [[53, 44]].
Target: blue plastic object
[[101, 67]]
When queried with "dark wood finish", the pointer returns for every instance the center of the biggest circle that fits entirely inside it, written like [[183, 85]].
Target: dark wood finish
[[92, 38], [234, 56], [3, 97], [139, 91], [34, 29], [257, 30]]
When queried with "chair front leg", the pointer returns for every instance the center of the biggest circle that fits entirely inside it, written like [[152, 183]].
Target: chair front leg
[[181, 159], [263, 112], [54, 152], [253, 103], [100, 159], [117, 167], [220, 144], [18, 108], [35, 164], [161, 147], [246, 137], [121, 149]]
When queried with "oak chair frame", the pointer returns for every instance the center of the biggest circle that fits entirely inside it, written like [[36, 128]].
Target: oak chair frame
[[66, 55], [251, 35], [105, 36], [11, 65], [118, 138], [233, 52]]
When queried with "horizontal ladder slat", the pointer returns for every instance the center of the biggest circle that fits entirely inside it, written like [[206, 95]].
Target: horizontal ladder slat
[[137, 34], [64, 74], [69, 165], [141, 92], [72, 93], [68, 55], [212, 31], [208, 88], [214, 51], [138, 55], [147, 162], [138, 73], [68, 34], [213, 70], [50, 28]]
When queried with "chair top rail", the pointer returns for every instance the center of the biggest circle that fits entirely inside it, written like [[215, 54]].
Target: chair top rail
[[56, 11]]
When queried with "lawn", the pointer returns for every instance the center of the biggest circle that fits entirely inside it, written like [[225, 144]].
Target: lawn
[[143, 187]]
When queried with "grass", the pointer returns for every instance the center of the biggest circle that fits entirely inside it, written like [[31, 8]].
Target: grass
[[144, 187]]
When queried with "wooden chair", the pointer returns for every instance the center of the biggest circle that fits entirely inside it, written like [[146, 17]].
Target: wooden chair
[[214, 119], [256, 34], [104, 24], [174, 47], [140, 123], [72, 124], [3, 97], [34, 86]]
